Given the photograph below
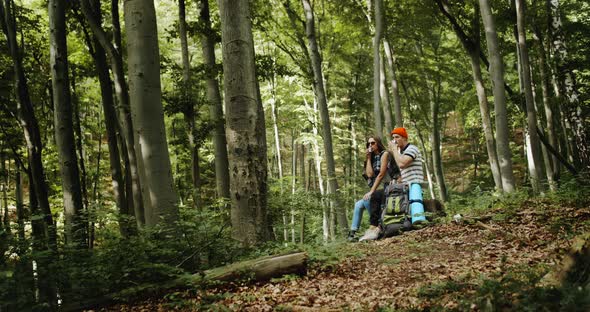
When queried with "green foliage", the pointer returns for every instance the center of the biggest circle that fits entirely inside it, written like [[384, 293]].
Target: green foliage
[[514, 290]]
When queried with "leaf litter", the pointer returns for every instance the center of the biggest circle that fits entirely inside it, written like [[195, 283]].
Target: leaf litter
[[394, 273]]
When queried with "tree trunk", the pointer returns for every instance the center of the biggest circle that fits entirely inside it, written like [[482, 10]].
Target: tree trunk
[[4, 221], [566, 81], [160, 197], [44, 234], [20, 210], [189, 111], [261, 269], [472, 47], [397, 102], [497, 73], [547, 105], [215, 105], [110, 119], [245, 126], [486, 120], [377, 66], [435, 144], [530, 105], [320, 94], [75, 228], [78, 137], [126, 126], [385, 97]]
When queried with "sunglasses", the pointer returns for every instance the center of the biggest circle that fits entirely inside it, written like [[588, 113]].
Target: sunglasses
[[371, 143]]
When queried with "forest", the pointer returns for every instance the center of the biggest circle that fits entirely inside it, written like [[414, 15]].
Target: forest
[[148, 147]]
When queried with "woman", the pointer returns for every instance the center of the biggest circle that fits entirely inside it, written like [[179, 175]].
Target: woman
[[374, 173]]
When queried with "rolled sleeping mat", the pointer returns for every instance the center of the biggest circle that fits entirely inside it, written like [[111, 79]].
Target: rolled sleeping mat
[[416, 204]]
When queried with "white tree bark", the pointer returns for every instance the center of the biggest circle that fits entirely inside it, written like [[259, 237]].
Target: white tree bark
[[397, 102], [535, 146], [497, 72]]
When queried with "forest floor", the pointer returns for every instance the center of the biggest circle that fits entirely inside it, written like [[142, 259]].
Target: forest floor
[[484, 262]]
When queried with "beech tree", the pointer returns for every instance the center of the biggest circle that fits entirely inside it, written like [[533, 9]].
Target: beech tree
[[64, 133], [497, 74], [245, 125], [159, 195]]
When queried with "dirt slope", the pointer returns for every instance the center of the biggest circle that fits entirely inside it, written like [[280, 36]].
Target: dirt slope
[[403, 272]]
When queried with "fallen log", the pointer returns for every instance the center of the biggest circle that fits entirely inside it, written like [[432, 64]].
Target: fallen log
[[256, 270], [260, 269]]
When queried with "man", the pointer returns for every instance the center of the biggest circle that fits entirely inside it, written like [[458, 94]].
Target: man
[[408, 158]]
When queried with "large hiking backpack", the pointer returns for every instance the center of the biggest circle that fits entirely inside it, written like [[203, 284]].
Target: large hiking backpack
[[395, 216]]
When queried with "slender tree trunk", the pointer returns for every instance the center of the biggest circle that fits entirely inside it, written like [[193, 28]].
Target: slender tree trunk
[[497, 73], [245, 127], [486, 120], [79, 139], [110, 119], [75, 231], [44, 234], [427, 164], [4, 222], [273, 112], [318, 170], [472, 47], [5, 186], [377, 66], [91, 13], [20, 210], [530, 105], [567, 85], [552, 160], [293, 182], [435, 144], [320, 94], [189, 111], [385, 97], [161, 199], [397, 102], [215, 104]]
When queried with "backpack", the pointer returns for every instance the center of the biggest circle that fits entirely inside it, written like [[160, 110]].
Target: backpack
[[395, 216]]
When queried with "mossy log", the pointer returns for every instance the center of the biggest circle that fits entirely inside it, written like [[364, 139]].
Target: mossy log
[[256, 270], [260, 269]]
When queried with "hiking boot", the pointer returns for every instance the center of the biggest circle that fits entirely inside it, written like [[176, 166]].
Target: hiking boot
[[351, 236], [371, 234]]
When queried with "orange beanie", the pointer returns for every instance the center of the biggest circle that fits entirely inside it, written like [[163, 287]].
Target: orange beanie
[[401, 131]]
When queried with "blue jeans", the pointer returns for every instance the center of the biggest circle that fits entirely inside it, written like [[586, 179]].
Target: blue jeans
[[357, 215]]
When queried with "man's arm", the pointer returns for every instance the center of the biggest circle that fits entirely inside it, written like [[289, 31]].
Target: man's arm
[[401, 160]]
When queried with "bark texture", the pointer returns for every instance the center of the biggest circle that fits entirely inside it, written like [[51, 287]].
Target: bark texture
[[245, 126]]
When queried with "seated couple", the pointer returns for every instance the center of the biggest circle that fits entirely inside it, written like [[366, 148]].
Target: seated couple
[[406, 156]]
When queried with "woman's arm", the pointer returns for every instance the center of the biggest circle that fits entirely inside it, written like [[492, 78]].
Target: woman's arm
[[380, 176]]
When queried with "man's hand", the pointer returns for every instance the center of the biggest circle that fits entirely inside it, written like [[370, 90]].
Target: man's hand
[[393, 145]]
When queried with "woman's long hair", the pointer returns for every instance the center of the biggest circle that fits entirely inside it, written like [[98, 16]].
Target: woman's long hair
[[378, 141]]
